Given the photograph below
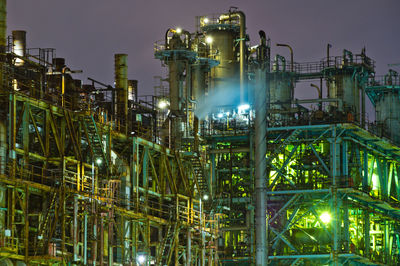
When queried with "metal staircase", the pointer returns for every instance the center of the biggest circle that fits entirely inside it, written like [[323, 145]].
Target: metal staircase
[[167, 246], [45, 228], [199, 175], [95, 139], [292, 135]]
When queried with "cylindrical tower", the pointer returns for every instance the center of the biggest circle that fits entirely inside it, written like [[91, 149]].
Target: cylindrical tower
[[280, 92], [343, 85], [19, 45], [175, 77], [388, 113], [225, 76], [199, 74], [121, 85], [386, 97]]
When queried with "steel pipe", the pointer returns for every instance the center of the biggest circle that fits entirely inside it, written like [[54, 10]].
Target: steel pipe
[[261, 100]]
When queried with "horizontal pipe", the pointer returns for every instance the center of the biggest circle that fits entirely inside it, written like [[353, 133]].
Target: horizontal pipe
[[227, 150], [234, 228]]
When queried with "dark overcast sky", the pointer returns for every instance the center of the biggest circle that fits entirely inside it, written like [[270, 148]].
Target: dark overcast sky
[[88, 32]]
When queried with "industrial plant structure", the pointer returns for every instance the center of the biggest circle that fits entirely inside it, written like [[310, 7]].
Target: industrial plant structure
[[222, 166]]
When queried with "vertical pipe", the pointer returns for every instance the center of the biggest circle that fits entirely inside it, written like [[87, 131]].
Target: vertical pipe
[[202, 235], [126, 193], [85, 241], [94, 245], [26, 220], [188, 247], [261, 91], [101, 239], [75, 229], [3, 147]]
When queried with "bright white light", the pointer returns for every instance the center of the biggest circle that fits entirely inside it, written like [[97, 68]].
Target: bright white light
[[220, 115], [141, 259], [209, 39], [162, 104], [99, 161], [325, 217], [205, 197], [178, 30], [242, 108], [206, 20]]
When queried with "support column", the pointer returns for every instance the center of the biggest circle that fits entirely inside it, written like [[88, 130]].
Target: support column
[[336, 174]]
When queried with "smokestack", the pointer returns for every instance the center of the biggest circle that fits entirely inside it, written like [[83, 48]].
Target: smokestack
[[121, 84], [19, 45]]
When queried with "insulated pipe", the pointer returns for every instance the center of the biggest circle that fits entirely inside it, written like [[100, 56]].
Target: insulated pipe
[[166, 37], [261, 99], [283, 60], [187, 38], [319, 95], [242, 37], [291, 54]]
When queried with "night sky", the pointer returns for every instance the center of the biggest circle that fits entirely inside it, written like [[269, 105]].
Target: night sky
[[88, 32]]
